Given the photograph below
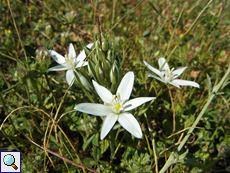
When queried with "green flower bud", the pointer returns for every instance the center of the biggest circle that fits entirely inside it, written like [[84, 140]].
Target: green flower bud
[[105, 45], [99, 74], [114, 73], [100, 54], [109, 56], [84, 81], [91, 68]]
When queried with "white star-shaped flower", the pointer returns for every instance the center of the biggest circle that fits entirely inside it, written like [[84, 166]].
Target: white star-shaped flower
[[115, 107], [69, 62], [168, 76]]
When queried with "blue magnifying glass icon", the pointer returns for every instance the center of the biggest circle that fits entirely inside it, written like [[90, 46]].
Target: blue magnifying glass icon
[[9, 160]]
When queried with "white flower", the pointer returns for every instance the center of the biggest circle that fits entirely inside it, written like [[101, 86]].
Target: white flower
[[168, 76], [69, 62], [116, 106]]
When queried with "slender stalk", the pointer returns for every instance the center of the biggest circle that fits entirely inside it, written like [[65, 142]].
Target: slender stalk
[[8, 2]]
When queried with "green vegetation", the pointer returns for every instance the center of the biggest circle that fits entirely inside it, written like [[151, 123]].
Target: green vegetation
[[37, 115]]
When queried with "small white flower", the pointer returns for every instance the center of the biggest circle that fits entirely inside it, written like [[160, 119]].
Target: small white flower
[[116, 106], [168, 76], [69, 62]]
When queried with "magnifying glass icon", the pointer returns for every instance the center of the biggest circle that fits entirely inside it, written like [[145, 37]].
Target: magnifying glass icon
[[9, 160]]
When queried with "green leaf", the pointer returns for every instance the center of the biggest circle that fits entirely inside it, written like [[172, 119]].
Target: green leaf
[[96, 139], [104, 146], [88, 142], [97, 153]]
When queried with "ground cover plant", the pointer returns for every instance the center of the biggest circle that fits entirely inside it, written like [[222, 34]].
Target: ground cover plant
[[116, 86]]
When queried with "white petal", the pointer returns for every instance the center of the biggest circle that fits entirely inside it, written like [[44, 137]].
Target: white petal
[[178, 72], [129, 122], [161, 62], [93, 109], [72, 51], [70, 77], [126, 86], [154, 70], [186, 83], [81, 64], [57, 57], [58, 68], [153, 76], [108, 123], [174, 84], [105, 95], [82, 54], [131, 104], [89, 45]]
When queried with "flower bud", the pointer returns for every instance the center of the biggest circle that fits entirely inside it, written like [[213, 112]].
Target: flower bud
[[109, 56], [100, 54], [114, 73], [99, 74], [91, 68], [84, 81], [105, 45]]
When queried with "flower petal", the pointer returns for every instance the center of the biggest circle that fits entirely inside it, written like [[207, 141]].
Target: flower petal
[[154, 70], [72, 51], [58, 68], [178, 72], [161, 62], [129, 122], [131, 104], [70, 77], [93, 109], [153, 76], [174, 84], [126, 86], [105, 95], [81, 64], [108, 123], [82, 54], [185, 83], [57, 57]]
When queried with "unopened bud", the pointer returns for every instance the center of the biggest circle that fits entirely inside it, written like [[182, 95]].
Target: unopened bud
[[109, 56], [105, 45], [114, 73], [84, 81], [91, 68], [99, 74]]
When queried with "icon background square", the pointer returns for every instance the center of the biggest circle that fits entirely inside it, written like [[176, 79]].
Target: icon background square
[[9, 169]]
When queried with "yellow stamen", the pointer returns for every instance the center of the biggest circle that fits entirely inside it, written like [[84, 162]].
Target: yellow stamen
[[117, 107]]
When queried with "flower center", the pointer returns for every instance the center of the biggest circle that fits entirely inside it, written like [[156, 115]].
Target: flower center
[[117, 107], [168, 75], [70, 61], [116, 104]]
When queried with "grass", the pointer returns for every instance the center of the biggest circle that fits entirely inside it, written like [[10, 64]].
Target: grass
[[53, 137]]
